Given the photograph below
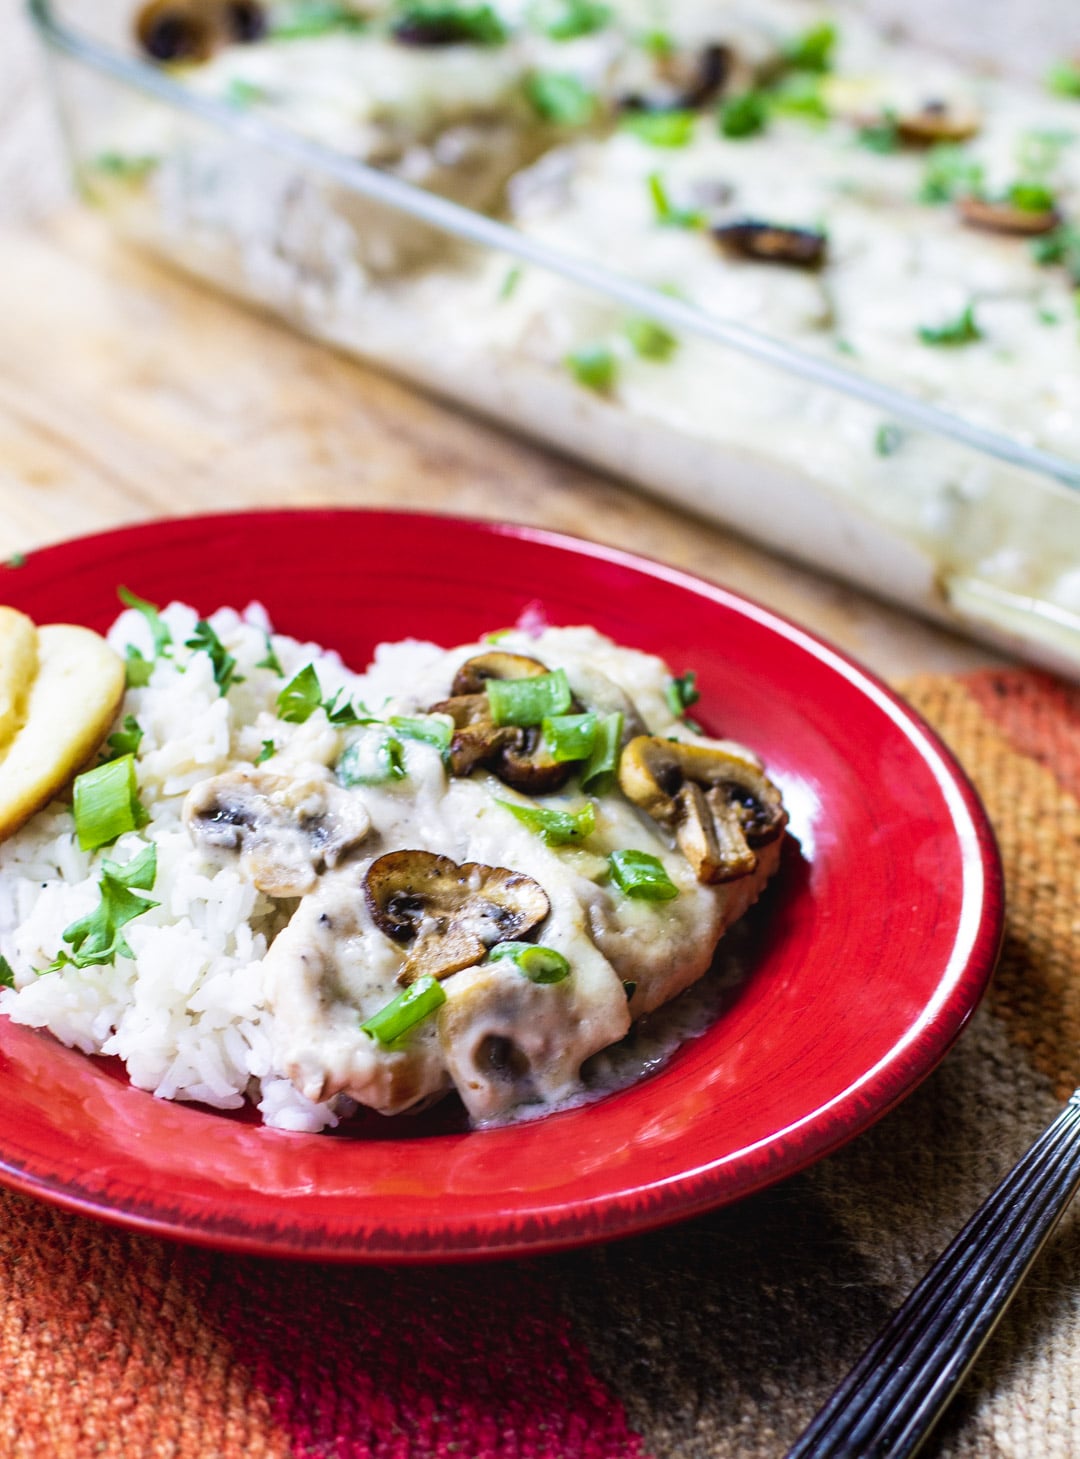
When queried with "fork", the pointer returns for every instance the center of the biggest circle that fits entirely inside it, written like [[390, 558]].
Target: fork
[[887, 1405]]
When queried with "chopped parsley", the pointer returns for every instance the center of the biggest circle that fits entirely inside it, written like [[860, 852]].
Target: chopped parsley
[[881, 135], [243, 93], [1063, 79], [303, 695], [666, 213], [1031, 196], [650, 340], [950, 173], [744, 115], [566, 20], [17, 559], [96, 939], [593, 366], [268, 749], [812, 50], [158, 627], [270, 660], [680, 693], [7, 973], [1062, 245], [125, 166], [444, 23], [658, 44], [964, 329], [799, 96], [888, 438], [661, 128], [125, 740], [205, 640], [305, 18], [560, 97]]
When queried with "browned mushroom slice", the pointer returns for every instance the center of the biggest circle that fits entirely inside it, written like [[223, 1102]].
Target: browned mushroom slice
[[517, 756], [474, 673], [937, 121], [771, 243], [176, 30], [720, 807], [449, 913], [1003, 216], [285, 830]]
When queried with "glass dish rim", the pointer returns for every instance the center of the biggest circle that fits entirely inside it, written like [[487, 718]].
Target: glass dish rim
[[494, 235]]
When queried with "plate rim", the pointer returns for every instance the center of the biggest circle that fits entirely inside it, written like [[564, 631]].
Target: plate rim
[[689, 1193]]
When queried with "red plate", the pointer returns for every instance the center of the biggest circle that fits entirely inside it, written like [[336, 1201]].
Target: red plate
[[878, 942]]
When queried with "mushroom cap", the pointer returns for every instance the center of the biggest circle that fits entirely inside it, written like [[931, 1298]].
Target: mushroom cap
[[772, 243], [191, 30], [935, 122], [474, 673], [1002, 216], [451, 913], [720, 806], [517, 756]]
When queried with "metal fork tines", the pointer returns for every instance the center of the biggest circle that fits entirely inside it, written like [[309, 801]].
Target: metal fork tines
[[891, 1399]]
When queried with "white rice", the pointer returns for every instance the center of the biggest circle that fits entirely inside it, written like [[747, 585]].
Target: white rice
[[186, 1013]]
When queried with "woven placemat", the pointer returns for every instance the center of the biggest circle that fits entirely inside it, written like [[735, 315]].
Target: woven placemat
[[718, 1337]]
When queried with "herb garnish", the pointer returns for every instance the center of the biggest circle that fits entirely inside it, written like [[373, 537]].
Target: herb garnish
[[964, 329], [7, 973], [1063, 79], [304, 18], [1062, 246], [566, 20], [106, 803], [812, 50], [205, 640], [270, 660], [650, 340], [560, 97], [640, 874], [555, 827], [744, 115], [680, 692], [445, 22], [888, 439], [950, 173], [96, 939], [158, 627], [661, 128], [666, 213], [125, 740], [881, 135], [593, 366], [268, 749]]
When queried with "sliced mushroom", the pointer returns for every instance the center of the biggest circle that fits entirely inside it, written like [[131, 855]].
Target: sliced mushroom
[[720, 807], [517, 756], [689, 80], [937, 121], [285, 830], [449, 913], [191, 30], [474, 673], [771, 243], [1003, 216]]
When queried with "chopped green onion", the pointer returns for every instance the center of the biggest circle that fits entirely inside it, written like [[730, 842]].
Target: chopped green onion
[[106, 803], [539, 964], [428, 729], [882, 135], [661, 128], [598, 775], [556, 827], [205, 640], [510, 282], [405, 1011], [680, 692], [812, 50], [570, 736], [641, 875], [799, 96], [743, 115], [1063, 79], [566, 20], [560, 97], [649, 339], [96, 940], [158, 627], [1031, 196], [305, 18], [527, 702], [268, 749], [594, 366], [888, 439], [125, 740], [301, 696], [270, 660], [448, 22], [959, 331], [243, 93], [950, 173], [137, 669], [373, 759], [666, 213], [658, 44], [1062, 246], [17, 559], [7, 973]]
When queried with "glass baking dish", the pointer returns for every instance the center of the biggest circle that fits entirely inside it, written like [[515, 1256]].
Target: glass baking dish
[[965, 525]]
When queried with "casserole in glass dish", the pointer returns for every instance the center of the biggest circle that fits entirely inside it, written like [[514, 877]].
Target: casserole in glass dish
[[796, 280]]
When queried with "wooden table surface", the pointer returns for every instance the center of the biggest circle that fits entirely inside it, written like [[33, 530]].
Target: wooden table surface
[[127, 392]]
